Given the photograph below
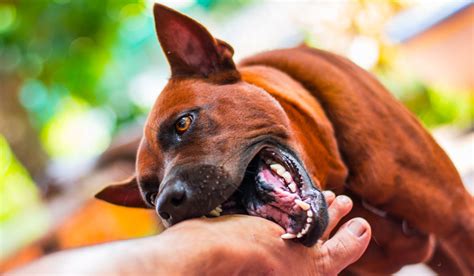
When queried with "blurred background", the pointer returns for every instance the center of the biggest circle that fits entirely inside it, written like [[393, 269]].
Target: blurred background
[[77, 79]]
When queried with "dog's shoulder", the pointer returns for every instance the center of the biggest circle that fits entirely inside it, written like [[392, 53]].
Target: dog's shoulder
[[378, 137]]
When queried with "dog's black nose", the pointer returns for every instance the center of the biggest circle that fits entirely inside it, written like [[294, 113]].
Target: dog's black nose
[[171, 202]]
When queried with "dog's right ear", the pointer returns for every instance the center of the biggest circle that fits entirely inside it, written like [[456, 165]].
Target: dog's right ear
[[124, 193], [190, 49]]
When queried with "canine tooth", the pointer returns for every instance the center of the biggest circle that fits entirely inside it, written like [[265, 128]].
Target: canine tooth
[[292, 187], [214, 213], [309, 220], [218, 209], [299, 235], [309, 213], [288, 236], [279, 169], [287, 176], [305, 206], [306, 228]]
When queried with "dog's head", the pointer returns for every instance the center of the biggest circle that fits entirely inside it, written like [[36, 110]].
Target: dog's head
[[216, 145]]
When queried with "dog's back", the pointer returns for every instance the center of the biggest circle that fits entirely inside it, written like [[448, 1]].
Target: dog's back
[[393, 162]]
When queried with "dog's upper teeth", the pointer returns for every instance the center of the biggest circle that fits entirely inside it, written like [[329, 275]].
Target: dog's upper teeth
[[279, 169], [292, 187], [288, 236], [309, 213], [309, 220], [305, 206], [287, 176]]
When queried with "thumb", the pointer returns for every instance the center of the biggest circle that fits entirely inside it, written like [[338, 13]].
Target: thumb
[[346, 246]]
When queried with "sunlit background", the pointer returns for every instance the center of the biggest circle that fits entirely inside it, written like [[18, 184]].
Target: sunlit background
[[77, 79]]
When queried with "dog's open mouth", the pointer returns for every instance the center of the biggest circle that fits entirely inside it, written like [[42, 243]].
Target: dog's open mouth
[[277, 187]]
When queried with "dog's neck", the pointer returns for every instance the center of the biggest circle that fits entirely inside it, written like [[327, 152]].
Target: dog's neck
[[316, 147]]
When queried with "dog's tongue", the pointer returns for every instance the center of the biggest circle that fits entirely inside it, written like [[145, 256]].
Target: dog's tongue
[[271, 198]]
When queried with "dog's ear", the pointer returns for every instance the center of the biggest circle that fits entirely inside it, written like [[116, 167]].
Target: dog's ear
[[190, 49], [125, 193]]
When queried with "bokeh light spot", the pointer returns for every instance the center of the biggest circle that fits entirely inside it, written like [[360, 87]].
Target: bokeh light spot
[[77, 131], [33, 95], [7, 17]]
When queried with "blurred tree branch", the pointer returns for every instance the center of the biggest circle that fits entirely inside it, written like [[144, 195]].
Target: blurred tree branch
[[18, 130]]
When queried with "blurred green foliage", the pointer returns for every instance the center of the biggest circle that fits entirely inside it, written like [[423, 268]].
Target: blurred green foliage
[[72, 48], [22, 216], [433, 105]]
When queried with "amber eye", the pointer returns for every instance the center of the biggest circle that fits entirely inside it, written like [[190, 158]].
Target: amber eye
[[183, 124]]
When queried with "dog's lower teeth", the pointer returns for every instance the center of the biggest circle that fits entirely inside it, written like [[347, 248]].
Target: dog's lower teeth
[[303, 205], [306, 228], [288, 236], [299, 235], [309, 213], [309, 220], [214, 213]]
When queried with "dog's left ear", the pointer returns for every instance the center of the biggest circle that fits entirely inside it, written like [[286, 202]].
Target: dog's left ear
[[190, 49], [125, 193]]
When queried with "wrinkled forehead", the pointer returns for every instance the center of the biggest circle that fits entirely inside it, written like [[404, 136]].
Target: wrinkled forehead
[[184, 94]]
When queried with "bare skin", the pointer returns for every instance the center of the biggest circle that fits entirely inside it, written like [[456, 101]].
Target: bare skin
[[227, 245]]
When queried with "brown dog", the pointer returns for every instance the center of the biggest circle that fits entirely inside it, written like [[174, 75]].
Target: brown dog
[[264, 138]]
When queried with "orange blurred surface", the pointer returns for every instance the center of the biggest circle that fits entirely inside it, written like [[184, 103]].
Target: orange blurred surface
[[95, 222]]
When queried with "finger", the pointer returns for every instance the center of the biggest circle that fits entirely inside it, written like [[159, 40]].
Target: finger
[[340, 207], [329, 196], [346, 246]]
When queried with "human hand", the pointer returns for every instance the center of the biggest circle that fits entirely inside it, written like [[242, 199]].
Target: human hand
[[241, 244], [236, 244]]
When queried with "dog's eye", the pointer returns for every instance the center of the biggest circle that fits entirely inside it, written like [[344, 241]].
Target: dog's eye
[[183, 124]]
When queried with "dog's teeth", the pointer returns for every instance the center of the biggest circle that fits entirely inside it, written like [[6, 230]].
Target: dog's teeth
[[279, 169], [287, 176], [292, 187], [288, 236], [268, 161], [299, 235], [214, 213], [309, 220], [218, 209], [305, 206], [306, 228], [309, 213]]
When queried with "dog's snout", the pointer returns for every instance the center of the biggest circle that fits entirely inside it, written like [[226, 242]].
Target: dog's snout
[[192, 191], [171, 202]]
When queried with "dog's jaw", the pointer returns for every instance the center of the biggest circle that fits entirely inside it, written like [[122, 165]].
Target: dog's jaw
[[277, 187]]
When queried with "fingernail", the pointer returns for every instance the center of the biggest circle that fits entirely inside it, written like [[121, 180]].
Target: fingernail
[[343, 199], [356, 228], [328, 193]]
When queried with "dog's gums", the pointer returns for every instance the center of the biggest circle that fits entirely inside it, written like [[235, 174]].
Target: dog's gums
[[276, 187]]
